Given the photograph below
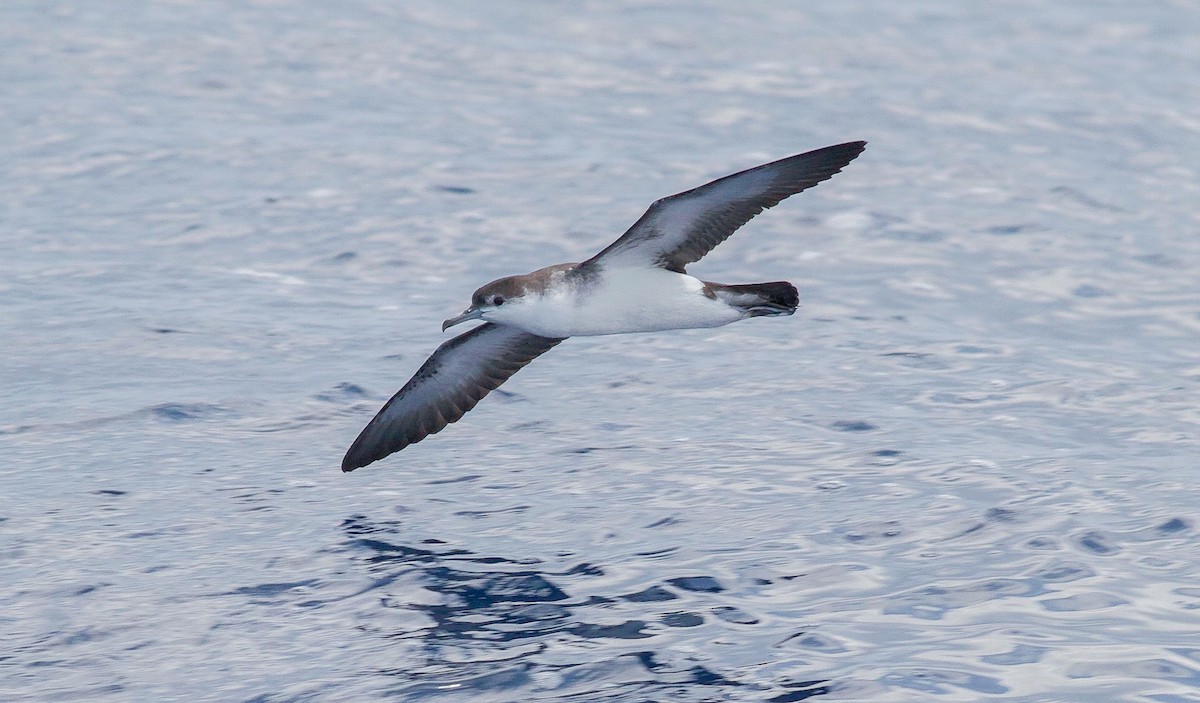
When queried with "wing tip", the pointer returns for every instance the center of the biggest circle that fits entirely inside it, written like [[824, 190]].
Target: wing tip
[[352, 462], [826, 162], [847, 151], [363, 453]]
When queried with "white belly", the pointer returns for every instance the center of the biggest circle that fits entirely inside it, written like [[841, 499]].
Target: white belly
[[633, 300]]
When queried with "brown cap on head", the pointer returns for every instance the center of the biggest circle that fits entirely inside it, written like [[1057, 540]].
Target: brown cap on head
[[499, 290], [517, 286]]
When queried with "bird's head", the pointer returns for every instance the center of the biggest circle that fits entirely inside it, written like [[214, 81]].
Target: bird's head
[[494, 301]]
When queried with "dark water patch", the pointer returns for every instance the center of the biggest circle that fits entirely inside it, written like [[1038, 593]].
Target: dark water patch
[[1079, 197], [934, 602], [146, 534], [943, 682], [697, 584], [271, 590], [816, 642], [480, 514], [357, 525], [965, 399], [706, 677], [82, 636], [972, 529], [456, 479], [1062, 573], [665, 522], [658, 553], [1021, 654], [1174, 526], [255, 499], [1009, 230], [494, 681], [650, 595], [342, 392], [975, 349], [187, 412], [872, 533], [584, 569], [475, 592], [633, 677], [802, 691], [589, 450], [684, 619], [913, 234], [303, 422], [1083, 602], [387, 551], [1090, 291], [729, 613], [918, 360], [628, 630], [1000, 515], [853, 426], [1159, 260], [457, 190], [878, 457], [1097, 543]]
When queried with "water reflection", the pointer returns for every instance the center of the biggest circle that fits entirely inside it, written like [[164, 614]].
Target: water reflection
[[497, 626]]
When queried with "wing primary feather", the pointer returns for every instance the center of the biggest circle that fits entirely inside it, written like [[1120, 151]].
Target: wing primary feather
[[680, 229], [447, 386]]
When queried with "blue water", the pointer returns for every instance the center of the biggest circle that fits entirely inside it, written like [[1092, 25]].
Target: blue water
[[966, 469]]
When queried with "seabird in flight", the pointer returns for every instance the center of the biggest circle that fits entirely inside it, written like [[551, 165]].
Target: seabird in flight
[[636, 284]]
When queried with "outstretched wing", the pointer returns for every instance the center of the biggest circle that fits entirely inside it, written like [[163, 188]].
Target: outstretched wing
[[460, 373], [682, 228]]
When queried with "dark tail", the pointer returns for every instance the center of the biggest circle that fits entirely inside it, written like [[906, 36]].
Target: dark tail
[[758, 299]]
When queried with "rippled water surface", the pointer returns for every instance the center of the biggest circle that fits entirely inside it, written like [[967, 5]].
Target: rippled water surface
[[966, 469]]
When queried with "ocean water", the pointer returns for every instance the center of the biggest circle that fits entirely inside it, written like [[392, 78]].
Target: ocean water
[[966, 469]]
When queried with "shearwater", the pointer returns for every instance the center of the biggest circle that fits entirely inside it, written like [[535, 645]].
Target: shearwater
[[636, 284]]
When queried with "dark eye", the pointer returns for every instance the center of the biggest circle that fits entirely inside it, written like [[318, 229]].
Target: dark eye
[[497, 300]]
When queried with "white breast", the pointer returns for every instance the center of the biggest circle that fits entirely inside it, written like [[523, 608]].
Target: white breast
[[625, 300]]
